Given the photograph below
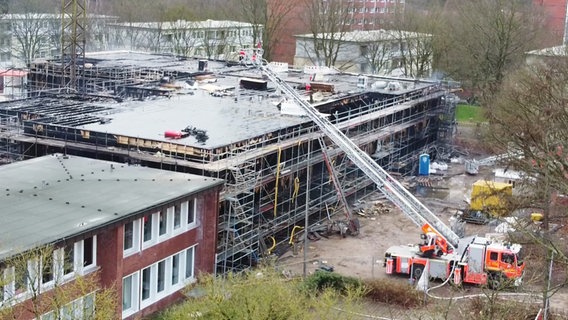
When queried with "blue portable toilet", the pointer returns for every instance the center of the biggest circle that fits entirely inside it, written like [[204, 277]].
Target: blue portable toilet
[[424, 165]]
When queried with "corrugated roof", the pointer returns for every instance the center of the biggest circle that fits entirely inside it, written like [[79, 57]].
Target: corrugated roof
[[55, 197]]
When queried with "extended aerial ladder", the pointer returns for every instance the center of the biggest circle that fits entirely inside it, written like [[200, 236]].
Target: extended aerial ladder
[[389, 186]]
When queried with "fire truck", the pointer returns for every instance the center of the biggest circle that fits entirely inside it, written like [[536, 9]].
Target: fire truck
[[442, 254], [477, 260]]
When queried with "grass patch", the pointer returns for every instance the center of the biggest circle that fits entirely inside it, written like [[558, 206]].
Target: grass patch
[[394, 293], [470, 113]]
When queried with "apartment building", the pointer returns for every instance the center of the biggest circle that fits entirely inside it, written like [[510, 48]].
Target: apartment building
[[383, 52], [145, 232], [29, 36], [359, 15], [211, 39]]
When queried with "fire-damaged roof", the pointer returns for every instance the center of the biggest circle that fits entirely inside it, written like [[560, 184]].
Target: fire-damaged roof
[[47, 199]]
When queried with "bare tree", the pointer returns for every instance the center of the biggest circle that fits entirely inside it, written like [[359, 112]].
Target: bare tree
[[267, 18], [489, 39], [214, 43], [379, 56], [414, 31], [529, 120], [328, 22]]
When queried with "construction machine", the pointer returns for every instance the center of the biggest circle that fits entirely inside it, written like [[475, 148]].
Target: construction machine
[[478, 260]]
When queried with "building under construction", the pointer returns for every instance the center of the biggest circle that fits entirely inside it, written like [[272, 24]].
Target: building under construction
[[227, 121]]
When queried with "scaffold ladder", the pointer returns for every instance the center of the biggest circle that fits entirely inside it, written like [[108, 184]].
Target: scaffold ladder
[[353, 225], [389, 186]]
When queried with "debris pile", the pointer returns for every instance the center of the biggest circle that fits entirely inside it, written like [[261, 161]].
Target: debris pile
[[378, 208]]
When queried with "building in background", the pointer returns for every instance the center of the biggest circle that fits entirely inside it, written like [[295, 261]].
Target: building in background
[[29, 36], [555, 20], [362, 15], [147, 232], [210, 39], [383, 52]]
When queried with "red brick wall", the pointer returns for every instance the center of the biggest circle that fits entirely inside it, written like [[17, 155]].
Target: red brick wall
[[204, 235], [555, 15], [285, 47]]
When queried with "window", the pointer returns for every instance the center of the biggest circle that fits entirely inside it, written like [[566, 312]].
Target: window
[[69, 259], [157, 281], [161, 275], [82, 308], [191, 211], [21, 279], [163, 218], [147, 230], [130, 294], [175, 269], [129, 235], [508, 258], [493, 256], [48, 316], [47, 268], [89, 252], [177, 216], [132, 237], [189, 262], [89, 307], [146, 274]]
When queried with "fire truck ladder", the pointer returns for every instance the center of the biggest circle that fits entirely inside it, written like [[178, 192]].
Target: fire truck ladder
[[391, 188]]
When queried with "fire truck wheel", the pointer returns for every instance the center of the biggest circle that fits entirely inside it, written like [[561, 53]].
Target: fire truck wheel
[[417, 270], [495, 280]]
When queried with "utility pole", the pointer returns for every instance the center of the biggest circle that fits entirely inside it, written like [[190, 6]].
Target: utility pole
[[307, 214], [73, 41]]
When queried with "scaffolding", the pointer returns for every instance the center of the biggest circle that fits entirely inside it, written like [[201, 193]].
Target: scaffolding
[[268, 190]]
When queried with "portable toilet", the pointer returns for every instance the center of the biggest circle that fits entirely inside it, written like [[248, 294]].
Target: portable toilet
[[424, 165]]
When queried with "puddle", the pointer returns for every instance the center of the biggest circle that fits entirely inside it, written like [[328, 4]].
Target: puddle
[[429, 192]]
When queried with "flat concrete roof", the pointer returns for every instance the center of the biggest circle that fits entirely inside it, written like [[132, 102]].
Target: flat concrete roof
[[55, 197], [227, 113], [225, 120]]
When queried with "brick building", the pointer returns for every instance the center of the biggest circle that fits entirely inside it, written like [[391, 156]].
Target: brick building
[[555, 19], [147, 232]]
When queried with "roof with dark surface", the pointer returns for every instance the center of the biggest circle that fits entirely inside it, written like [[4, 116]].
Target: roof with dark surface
[[55, 197]]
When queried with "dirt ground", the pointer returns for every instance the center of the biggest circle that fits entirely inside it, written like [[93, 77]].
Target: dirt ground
[[383, 225]]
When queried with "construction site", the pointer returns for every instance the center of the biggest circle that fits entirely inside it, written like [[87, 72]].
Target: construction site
[[229, 121]]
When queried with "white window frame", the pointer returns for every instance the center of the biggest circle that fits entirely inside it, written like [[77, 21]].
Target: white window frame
[[51, 282], [135, 294], [169, 288], [173, 210], [192, 267], [186, 208], [191, 206], [168, 216], [80, 255], [77, 308], [136, 238], [153, 231]]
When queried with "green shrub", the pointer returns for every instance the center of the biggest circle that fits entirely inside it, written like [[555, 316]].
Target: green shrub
[[483, 308], [393, 292], [322, 280]]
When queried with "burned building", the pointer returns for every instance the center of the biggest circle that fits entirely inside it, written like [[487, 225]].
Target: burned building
[[229, 122]]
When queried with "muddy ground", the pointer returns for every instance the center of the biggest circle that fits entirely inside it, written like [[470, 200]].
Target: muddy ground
[[383, 225]]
